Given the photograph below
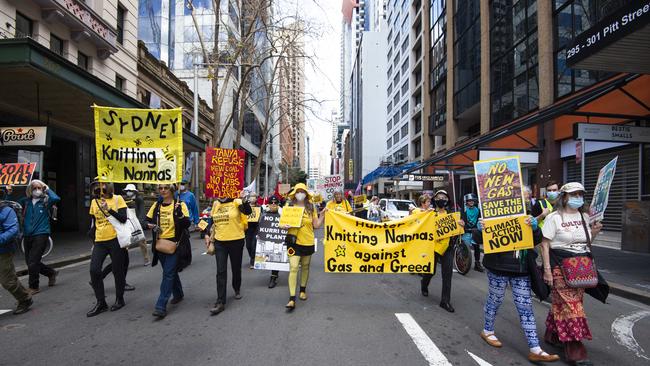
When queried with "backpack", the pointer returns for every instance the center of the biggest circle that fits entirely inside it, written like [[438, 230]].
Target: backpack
[[18, 209]]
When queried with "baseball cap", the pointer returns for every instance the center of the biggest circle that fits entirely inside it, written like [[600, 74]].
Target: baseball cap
[[572, 187]]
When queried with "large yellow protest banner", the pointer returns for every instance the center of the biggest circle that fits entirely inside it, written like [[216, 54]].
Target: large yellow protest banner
[[507, 234], [354, 245], [139, 145]]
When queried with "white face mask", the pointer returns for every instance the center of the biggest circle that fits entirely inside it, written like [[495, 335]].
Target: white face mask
[[130, 194], [37, 193], [300, 196], [182, 187]]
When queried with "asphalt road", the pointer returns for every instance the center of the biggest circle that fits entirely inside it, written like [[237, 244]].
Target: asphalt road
[[348, 320]]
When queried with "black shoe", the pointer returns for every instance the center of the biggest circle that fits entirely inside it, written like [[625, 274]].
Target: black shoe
[[99, 308], [238, 296], [425, 291], [23, 306], [478, 267], [273, 282], [52, 279], [447, 306], [159, 314], [176, 300], [128, 287], [218, 308], [118, 305]]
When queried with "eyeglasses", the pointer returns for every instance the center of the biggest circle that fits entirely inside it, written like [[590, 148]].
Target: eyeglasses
[[163, 188]]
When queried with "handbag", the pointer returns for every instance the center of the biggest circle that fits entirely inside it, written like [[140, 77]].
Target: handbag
[[166, 246], [579, 271], [128, 232]]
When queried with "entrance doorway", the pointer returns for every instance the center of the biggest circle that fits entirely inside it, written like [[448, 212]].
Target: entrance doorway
[[61, 173]]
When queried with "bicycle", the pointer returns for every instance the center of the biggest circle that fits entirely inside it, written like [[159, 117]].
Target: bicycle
[[462, 254], [48, 247]]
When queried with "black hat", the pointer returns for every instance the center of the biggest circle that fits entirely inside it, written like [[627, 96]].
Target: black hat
[[273, 200]]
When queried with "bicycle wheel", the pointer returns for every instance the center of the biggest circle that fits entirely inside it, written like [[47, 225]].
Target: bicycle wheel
[[49, 247], [462, 257]]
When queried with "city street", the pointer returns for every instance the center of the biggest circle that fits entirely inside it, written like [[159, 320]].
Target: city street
[[347, 320]]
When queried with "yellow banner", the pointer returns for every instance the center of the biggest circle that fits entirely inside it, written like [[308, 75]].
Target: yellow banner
[[507, 234], [139, 145], [291, 216], [447, 225], [255, 215], [359, 200], [354, 245]]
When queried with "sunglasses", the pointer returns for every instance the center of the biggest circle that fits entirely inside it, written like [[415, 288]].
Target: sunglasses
[[164, 188]]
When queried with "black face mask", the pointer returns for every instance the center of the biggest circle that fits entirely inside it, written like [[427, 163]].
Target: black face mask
[[441, 203]]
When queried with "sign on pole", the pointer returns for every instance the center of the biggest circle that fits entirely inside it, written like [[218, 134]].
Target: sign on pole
[[327, 185], [139, 145], [611, 133], [224, 172], [601, 192]]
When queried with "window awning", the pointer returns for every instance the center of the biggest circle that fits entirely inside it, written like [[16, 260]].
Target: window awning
[[388, 171]]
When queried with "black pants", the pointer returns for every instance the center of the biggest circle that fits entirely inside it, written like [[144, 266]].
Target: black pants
[[251, 243], [275, 274], [109, 268], [447, 261], [477, 253], [100, 250], [224, 249], [34, 248]]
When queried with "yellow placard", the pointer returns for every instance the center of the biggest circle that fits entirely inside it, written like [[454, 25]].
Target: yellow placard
[[291, 216], [359, 200], [317, 198], [139, 145], [202, 225], [507, 234], [255, 215], [499, 187], [447, 225], [354, 245]]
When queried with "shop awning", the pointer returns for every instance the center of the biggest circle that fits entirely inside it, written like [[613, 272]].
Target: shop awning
[[388, 171]]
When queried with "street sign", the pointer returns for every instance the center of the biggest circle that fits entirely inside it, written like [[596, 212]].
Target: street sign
[[423, 177], [579, 148], [611, 133], [23, 136]]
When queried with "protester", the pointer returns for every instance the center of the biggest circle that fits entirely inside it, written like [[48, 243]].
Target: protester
[[338, 203], [528, 200], [105, 204], [544, 206], [251, 232], [374, 211], [567, 234], [444, 253], [273, 207], [228, 227], [300, 242], [36, 205], [135, 202], [424, 204], [470, 215], [169, 220], [511, 268], [190, 201], [9, 229]]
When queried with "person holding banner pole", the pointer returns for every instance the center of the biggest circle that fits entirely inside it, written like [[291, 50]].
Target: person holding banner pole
[[444, 254], [227, 231], [300, 242]]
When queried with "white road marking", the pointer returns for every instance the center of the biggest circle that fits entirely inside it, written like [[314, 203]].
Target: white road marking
[[478, 360], [429, 350], [2, 311], [622, 331]]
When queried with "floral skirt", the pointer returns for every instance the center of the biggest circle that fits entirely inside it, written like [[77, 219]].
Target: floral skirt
[[567, 318]]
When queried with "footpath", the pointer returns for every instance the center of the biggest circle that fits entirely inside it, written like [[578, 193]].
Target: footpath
[[628, 273]]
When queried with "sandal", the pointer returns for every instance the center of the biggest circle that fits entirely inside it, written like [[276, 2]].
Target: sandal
[[492, 340], [290, 305], [542, 357], [303, 296]]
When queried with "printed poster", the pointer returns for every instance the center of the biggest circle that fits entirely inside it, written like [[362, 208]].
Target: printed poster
[[270, 252], [224, 172], [139, 145], [499, 187], [327, 185], [447, 225], [601, 192], [507, 234], [16, 174]]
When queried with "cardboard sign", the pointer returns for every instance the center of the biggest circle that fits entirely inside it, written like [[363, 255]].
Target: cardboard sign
[[601, 192], [202, 225], [446, 226], [327, 185], [270, 252], [317, 198], [224, 172], [16, 174], [139, 145], [507, 234], [499, 187], [255, 215], [284, 188], [291, 216], [360, 200]]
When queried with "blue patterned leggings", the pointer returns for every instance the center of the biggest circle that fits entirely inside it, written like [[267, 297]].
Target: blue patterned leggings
[[523, 303]]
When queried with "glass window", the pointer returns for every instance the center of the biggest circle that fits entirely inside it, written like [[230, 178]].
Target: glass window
[[389, 143], [121, 15], [417, 148], [389, 125], [405, 109], [24, 26], [83, 61], [405, 130], [396, 137], [120, 82], [405, 66], [467, 55], [405, 87], [56, 44]]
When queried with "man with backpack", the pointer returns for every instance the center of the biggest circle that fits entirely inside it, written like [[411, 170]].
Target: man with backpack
[[37, 204], [9, 230]]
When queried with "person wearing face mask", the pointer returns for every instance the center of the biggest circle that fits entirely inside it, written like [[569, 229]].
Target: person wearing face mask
[[338, 203], [36, 230], [227, 232], [273, 208], [567, 235], [300, 242], [190, 201], [544, 206], [470, 215], [252, 229], [444, 254], [135, 202]]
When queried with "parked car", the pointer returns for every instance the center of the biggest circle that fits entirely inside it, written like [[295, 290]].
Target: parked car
[[394, 209]]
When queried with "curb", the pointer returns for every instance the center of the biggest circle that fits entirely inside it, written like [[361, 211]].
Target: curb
[[629, 293]]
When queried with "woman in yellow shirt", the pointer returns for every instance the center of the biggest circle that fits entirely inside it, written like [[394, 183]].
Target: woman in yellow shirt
[[106, 204], [338, 203], [169, 219], [227, 231], [300, 242]]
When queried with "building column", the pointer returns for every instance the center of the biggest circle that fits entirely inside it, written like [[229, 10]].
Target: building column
[[485, 67], [426, 143], [451, 128]]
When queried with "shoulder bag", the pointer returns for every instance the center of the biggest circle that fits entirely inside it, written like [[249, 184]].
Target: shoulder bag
[[129, 232], [579, 271], [164, 246]]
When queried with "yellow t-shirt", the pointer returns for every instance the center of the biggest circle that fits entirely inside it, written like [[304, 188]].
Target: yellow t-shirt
[[227, 221], [344, 206], [305, 233], [104, 229], [167, 218]]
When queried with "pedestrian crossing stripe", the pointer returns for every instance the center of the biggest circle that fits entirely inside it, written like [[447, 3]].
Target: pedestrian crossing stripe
[[3, 311]]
